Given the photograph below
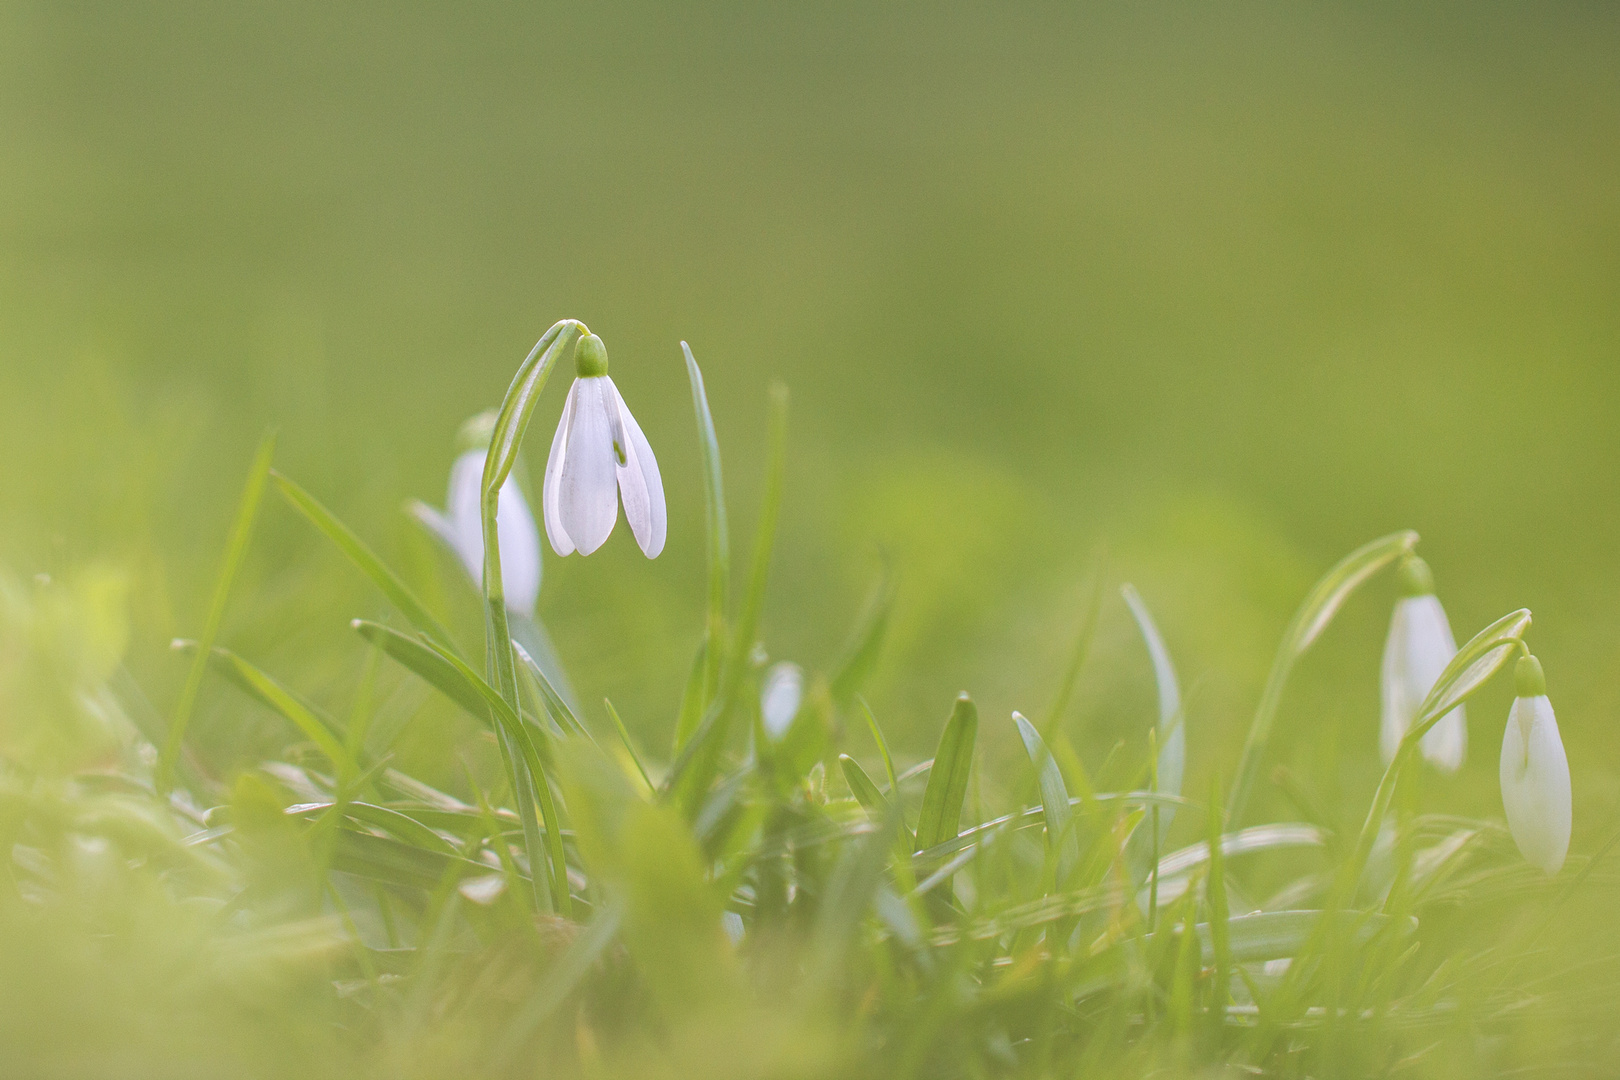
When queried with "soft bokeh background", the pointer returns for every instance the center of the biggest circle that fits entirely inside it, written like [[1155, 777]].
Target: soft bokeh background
[[1203, 297]]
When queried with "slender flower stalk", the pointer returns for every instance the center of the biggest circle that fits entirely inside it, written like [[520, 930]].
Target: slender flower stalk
[[460, 524], [598, 457], [1535, 772], [1419, 647]]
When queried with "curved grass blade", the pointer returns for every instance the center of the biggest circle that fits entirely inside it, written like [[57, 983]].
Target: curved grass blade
[[1081, 650], [882, 745], [236, 546], [316, 727], [554, 702], [1060, 835], [861, 786], [403, 826], [948, 780], [450, 675], [361, 555], [719, 542], [629, 745], [1321, 604]]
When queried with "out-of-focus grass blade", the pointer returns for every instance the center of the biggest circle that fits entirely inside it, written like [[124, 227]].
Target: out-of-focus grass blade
[[948, 780], [1172, 731], [394, 862], [1243, 842], [1215, 896], [554, 702], [1060, 834], [361, 555], [560, 980], [1321, 604], [861, 786], [854, 883], [883, 747], [316, 727], [691, 714], [753, 604], [719, 546], [1081, 650], [532, 635], [236, 546], [1474, 663], [447, 673], [401, 825], [629, 744], [518, 405], [865, 646]]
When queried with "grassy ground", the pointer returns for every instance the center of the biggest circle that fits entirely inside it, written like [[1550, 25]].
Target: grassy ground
[[1199, 302]]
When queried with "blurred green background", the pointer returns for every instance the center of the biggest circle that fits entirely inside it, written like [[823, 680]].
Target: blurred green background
[[1205, 297]]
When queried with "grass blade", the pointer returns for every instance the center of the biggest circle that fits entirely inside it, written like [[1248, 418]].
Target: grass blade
[[861, 657], [861, 786], [235, 550], [753, 604], [1060, 836], [1215, 897], [882, 745], [629, 745], [361, 555], [1321, 604], [719, 543], [948, 779]]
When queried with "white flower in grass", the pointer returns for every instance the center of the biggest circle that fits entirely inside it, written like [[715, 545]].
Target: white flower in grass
[[1535, 773], [780, 698], [1420, 646], [461, 524], [599, 456]]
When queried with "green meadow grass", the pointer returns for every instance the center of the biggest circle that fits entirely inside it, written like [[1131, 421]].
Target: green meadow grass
[[739, 903]]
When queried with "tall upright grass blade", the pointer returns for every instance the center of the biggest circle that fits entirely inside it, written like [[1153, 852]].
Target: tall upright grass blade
[[948, 780], [1324, 600], [753, 604], [361, 555], [236, 546], [628, 743], [719, 539], [691, 714], [865, 645], [1077, 655], [1215, 897], [883, 747]]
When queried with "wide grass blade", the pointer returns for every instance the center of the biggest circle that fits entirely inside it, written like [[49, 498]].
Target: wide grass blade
[[1321, 604], [948, 780], [361, 555], [861, 786], [236, 546]]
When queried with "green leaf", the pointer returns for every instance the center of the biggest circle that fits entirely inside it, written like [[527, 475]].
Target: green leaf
[[554, 701], [753, 605], [450, 675], [882, 745], [691, 714], [403, 826], [948, 779], [1082, 647], [1220, 934], [865, 646], [560, 980], [358, 553], [629, 744], [1060, 835], [1321, 604], [506, 438], [236, 546], [719, 546], [861, 786], [317, 728]]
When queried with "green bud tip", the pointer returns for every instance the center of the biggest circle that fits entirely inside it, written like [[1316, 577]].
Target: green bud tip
[[590, 357], [476, 432], [1415, 577], [1528, 677]]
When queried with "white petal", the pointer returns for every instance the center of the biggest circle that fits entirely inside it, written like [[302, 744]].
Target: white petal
[[587, 488], [640, 485], [1419, 647], [560, 543], [780, 697], [461, 504], [520, 548], [1535, 784]]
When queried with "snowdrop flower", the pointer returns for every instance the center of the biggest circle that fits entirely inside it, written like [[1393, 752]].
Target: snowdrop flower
[[1535, 772], [598, 456], [1420, 646], [461, 526], [780, 697]]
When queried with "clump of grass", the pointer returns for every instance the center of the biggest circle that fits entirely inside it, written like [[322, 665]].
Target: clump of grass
[[755, 903]]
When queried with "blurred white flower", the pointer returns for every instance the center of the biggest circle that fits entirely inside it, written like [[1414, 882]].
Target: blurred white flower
[[1535, 773], [598, 456], [461, 527], [1420, 646], [780, 697]]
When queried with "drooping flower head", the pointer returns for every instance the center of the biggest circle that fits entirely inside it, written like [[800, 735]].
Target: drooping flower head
[[780, 697], [1535, 772], [461, 527], [1419, 647], [598, 457]]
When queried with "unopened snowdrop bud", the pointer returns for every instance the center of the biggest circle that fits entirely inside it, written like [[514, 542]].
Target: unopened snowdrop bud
[[780, 697], [1535, 773], [598, 457], [1420, 646], [461, 524]]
